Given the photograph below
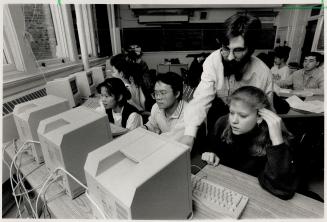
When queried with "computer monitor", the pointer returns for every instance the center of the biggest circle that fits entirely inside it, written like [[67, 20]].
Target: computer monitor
[[99, 74], [67, 138], [140, 175], [85, 83], [28, 115], [65, 88]]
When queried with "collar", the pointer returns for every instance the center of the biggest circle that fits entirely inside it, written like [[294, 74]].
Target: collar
[[311, 73], [177, 112]]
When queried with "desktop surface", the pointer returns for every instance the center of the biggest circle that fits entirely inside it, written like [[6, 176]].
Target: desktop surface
[[261, 203]]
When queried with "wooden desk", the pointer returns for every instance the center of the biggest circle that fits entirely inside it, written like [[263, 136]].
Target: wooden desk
[[293, 113], [261, 203]]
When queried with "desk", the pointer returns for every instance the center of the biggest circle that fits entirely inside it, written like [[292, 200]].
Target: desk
[[261, 203], [163, 68], [293, 113]]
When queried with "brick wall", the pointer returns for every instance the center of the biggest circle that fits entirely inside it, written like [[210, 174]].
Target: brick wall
[[38, 22]]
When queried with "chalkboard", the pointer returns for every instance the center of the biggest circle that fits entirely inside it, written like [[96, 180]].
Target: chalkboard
[[186, 37]]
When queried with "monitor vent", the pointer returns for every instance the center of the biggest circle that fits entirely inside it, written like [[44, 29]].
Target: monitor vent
[[8, 107], [121, 212]]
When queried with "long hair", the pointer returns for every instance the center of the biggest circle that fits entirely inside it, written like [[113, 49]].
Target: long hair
[[256, 99]]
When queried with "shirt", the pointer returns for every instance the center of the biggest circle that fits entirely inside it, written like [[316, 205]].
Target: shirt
[[279, 74], [134, 120], [312, 81], [214, 83], [172, 126]]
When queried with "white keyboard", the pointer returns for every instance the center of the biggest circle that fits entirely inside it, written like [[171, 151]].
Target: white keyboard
[[218, 198], [92, 103]]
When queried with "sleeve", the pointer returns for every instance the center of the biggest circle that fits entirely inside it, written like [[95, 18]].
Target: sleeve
[[320, 84], [152, 123], [212, 77], [279, 175], [134, 120], [214, 137]]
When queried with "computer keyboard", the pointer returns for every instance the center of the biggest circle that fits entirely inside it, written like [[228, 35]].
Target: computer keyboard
[[92, 103], [218, 198]]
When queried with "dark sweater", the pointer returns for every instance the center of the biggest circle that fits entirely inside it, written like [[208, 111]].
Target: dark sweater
[[128, 110], [275, 170]]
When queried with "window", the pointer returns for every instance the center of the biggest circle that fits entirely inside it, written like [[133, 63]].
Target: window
[[44, 29], [90, 32]]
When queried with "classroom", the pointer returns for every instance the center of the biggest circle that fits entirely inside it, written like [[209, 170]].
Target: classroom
[[163, 111]]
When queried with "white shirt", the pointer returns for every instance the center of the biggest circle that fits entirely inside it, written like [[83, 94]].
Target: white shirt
[[280, 74], [172, 126], [134, 120], [213, 82]]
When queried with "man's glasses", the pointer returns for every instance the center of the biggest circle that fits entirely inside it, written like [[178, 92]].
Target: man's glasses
[[237, 52], [161, 93]]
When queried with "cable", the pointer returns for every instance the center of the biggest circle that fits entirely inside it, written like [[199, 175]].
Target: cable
[[86, 192], [11, 175], [43, 186]]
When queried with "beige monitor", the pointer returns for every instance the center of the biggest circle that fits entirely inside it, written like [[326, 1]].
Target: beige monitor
[[28, 115], [140, 175], [68, 137], [65, 88]]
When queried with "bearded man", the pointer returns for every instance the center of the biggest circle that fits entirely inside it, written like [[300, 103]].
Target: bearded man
[[226, 70]]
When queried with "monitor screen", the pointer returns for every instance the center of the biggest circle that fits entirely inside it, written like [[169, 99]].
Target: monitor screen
[[73, 85], [90, 78]]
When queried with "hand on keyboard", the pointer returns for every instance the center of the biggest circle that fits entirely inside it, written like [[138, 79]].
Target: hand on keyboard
[[210, 158]]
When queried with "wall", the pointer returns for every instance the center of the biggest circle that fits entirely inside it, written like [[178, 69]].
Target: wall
[[291, 28], [38, 23]]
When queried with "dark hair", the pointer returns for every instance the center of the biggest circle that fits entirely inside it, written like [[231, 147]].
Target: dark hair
[[115, 87], [135, 71], [245, 25], [319, 57], [174, 80], [256, 99], [119, 62], [282, 52]]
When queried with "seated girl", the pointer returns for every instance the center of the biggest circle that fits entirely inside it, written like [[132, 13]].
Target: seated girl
[[114, 96], [253, 139]]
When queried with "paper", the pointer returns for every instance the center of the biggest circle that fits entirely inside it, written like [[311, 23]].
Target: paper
[[314, 106]]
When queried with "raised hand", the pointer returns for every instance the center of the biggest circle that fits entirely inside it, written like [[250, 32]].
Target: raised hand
[[274, 123], [210, 158]]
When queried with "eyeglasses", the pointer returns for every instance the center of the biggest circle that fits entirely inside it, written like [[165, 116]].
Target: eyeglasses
[[237, 52], [161, 93]]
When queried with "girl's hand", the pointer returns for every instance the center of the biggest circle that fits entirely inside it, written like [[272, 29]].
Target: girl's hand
[[274, 123], [210, 158]]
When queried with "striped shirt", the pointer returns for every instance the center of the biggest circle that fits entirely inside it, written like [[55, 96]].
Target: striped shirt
[[171, 126]]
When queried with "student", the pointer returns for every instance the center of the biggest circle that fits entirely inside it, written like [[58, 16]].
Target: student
[[227, 69], [310, 78], [139, 83], [114, 96], [167, 114], [134, 55], [119, 67], [252, 139], [280, 70]]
